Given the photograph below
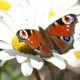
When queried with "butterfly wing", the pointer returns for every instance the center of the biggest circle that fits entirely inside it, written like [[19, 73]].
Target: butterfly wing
[[58, 36], [35, 41], [61, 32], [63, 26]]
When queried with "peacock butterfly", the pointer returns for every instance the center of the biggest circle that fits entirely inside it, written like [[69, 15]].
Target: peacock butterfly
[[57, 37]]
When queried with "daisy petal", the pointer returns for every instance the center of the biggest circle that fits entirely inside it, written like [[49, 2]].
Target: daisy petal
[[5, 45], [5, 56], [8, 54], [77, 44], [2, 63], [70, 58], [58, 62], [74, 9], [21, 58], [7, 21], [5, 33], [36, 57], [60, 3], [36, 64], [26, 69], [69, 55]]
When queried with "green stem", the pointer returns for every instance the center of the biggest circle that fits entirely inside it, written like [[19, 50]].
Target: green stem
[[36, 74]]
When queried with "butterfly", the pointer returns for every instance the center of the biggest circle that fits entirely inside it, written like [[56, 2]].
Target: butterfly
[[57, 37]]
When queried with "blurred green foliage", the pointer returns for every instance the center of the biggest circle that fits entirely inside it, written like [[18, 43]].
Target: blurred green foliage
[[11, 71]]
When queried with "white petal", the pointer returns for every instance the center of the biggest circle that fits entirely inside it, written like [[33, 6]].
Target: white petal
[[26, 69], [6, 31], [58, 5], [71, 58], [8, 54], [77, 44], [74, 10], [36, 57], [36, 64], [58, 62], [42, 9], [19, 8], [2, 63], [5, 45], [5, 56], [21, 58]]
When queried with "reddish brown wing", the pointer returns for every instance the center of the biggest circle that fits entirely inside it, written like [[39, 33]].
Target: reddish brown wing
[[63, 26], [35, 41], [61, 32], [40, 44]]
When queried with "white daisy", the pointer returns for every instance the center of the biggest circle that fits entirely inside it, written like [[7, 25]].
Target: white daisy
[[28, 13], [28, 61]]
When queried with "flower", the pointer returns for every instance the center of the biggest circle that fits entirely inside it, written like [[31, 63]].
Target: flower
[[27, 61], [29, 13]]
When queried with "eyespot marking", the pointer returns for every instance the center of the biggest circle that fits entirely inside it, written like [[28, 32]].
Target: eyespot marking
[[23, 35], [68, 19]]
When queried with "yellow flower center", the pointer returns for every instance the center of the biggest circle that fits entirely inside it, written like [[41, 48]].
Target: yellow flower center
[[77, 54], [4, 5], [18, 45]]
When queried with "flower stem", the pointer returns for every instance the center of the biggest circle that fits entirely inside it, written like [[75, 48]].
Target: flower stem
[[36, 74]]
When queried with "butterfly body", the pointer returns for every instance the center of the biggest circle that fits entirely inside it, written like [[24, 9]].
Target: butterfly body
[[56, 37]]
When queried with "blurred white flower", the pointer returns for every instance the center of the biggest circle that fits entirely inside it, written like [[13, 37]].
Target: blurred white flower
[[31, 13]]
